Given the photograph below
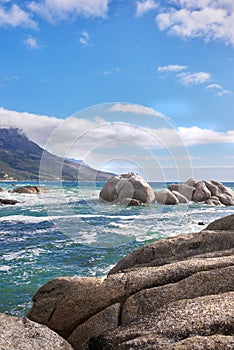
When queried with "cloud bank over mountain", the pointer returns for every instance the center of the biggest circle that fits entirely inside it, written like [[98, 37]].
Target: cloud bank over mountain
[[100, 142], [39, 128]]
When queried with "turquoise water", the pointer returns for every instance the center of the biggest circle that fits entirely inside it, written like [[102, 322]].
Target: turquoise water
[[68, 232]]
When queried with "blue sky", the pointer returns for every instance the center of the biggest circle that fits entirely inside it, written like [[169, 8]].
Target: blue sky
[[176, 57]]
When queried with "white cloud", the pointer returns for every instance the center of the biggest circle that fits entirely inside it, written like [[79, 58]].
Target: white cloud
[[54, 10], [111, 71], [223, 92], [85, 38], [30, 124], [215, 87], [197, 136], [218, 89], [207, 19], [145, 6], [14, 16], [198, 78], [171, 68], [31, 43], [136, 109]]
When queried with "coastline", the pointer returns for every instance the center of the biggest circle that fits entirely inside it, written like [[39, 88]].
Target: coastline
[[173, 293], [69, 232]]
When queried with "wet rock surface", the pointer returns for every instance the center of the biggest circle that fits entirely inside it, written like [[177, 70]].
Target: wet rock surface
[[175, 293]]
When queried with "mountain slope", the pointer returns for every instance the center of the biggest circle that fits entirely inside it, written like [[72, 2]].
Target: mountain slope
[[20, 158]]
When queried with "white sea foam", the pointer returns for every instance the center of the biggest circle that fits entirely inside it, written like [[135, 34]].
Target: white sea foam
[[30, 253], [5, 268], [38, 219]]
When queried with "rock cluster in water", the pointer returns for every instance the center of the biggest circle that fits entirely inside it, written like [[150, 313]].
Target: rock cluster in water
[[131, 189], [173, 294], [208, 192]]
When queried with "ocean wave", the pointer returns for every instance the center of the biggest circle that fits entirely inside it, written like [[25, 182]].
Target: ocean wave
[[5, 268], [31, 253], [38, 219]]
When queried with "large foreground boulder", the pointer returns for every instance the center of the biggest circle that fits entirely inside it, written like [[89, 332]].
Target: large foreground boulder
[[22, 334], [175, 293], [192, 323], [127, 187], [30, 189]]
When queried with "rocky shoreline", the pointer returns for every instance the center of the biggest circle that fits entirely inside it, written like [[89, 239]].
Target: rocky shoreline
[[176, 293], [173, 294]]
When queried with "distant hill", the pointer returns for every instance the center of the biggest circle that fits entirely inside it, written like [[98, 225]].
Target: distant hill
[[20, 159]]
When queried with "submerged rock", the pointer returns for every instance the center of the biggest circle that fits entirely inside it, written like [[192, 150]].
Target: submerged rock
[[127, 186], [30, 189], [175, 293], [4, 201], [22, 334]]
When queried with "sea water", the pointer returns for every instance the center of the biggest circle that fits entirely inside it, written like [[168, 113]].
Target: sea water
[[69, 232]]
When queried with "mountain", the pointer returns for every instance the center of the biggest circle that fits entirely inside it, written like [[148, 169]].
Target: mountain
[[77, 161], [20, 158]]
